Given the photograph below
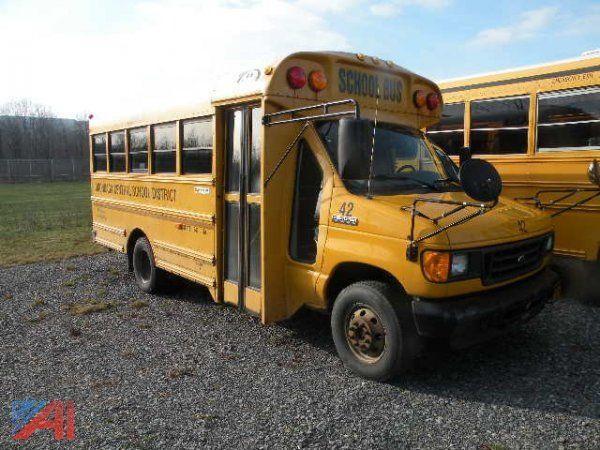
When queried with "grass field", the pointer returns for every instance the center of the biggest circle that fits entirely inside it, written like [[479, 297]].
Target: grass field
[[43, 221]]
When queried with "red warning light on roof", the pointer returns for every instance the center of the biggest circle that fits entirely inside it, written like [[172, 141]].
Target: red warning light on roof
[[296, 77]]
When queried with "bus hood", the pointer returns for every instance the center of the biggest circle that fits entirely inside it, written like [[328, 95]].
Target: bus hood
[[508, 220]]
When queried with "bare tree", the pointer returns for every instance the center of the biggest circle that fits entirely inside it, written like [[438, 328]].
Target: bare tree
[[26, 129], [26, 108]]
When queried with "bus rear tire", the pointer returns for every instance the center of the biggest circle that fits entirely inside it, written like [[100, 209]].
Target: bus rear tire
[[147, 275], [373, 330]]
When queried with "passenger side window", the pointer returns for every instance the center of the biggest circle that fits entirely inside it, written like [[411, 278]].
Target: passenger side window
[[449, 132], [196, 151], [569, 120], [116, 151], [499, 127], [99, 152], [165, 149], [138, 150], [305, 211]]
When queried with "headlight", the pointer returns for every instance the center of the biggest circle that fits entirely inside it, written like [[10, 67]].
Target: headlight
[[460, 265], [549, 243]]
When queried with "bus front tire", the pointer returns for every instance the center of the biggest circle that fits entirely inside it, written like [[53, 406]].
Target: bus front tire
[[147, 275], [373, 331]]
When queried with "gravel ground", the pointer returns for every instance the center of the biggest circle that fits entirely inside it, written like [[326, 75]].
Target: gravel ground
[[177, 371]]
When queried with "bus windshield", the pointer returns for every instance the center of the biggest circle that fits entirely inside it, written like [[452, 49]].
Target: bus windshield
[[403, 161]]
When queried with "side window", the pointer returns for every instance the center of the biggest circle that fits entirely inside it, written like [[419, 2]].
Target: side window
[[499, 126], [305, 210], [196, 151], [569, 120], [165, 149], [99, 152], [138, 150], [449, 132], [116, 151]]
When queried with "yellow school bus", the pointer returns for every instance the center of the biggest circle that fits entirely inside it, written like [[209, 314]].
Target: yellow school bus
[[540, 126], [308, 183]]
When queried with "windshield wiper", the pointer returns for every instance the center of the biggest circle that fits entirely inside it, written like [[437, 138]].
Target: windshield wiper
[[446, 180], [405, 178]]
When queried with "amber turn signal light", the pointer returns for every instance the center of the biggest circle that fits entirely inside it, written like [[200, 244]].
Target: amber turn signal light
[[419, 98], [436, 266], [317, 80]]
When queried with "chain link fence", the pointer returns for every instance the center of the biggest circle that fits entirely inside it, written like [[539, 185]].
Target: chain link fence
[[54, 169]]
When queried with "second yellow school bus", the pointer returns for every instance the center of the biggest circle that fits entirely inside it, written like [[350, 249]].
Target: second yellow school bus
[[308, 183], [540, 126]]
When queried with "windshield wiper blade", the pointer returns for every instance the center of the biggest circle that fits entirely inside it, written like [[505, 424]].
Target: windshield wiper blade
[[446, 180], [405, 178]]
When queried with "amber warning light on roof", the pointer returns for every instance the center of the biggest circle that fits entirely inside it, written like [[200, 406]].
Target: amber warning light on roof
[[296, 78]]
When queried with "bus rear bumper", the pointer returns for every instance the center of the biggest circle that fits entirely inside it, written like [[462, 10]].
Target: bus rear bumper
[[485, 314]]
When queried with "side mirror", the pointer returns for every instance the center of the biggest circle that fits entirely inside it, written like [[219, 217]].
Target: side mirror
[[594, 172], [480, 180], [464, 155], [355, 138]]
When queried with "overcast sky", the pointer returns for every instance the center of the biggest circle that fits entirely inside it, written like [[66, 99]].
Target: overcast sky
[[117, 57]]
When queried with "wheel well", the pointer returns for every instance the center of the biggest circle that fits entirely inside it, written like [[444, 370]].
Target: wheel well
[[133, 237], [347, 273]]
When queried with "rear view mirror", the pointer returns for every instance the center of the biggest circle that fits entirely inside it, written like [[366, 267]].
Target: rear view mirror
[[594, 172], [355, 138], [480, 180]]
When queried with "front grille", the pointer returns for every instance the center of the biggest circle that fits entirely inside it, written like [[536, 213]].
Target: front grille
[[505, 262]]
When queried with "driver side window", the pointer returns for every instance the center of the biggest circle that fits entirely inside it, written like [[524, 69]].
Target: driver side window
[[305, 209]]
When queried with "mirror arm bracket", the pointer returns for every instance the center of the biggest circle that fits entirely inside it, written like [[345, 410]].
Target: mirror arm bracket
[[412, 250]]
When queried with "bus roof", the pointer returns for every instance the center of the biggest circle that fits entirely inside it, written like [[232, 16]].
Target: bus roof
[[587, 59], [270, 80]]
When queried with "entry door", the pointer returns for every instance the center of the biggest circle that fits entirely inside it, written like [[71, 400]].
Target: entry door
[[243, 199]]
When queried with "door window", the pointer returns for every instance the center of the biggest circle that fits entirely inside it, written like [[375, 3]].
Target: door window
[[305, 212], [254, 245], [234, 153], [232, 221], [255, 145]]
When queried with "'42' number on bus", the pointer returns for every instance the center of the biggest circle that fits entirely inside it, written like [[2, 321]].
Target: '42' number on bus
[[346, 209]]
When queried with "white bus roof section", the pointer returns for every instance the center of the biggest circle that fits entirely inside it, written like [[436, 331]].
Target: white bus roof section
[[584, 56]]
